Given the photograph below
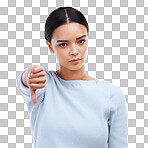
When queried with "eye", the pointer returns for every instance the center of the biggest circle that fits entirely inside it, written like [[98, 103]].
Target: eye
[[82, 40], [62, 45]]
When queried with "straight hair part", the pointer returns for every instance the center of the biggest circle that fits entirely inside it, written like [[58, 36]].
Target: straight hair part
[[60, 16]]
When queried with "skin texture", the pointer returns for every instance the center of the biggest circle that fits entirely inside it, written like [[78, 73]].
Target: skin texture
[[66, 51]]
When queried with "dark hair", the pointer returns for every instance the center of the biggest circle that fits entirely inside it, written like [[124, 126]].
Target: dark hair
[[60, 16]]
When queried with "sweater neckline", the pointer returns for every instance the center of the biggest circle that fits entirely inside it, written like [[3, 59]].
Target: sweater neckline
[[69, 82]]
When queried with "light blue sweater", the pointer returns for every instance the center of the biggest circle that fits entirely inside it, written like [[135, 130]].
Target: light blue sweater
[[77, 113]]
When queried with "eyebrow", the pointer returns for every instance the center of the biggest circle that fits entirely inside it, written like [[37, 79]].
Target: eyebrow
[[68, 40]]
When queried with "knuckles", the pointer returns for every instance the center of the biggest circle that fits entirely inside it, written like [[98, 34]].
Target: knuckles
[[29, 81], [44, 79], [30, 85], [44, 72], [42, 85]]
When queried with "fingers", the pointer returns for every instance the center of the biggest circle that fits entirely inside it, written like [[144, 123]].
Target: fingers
[[37, 69], [33, 96], [36, 75], [31, 68], [36, 80], [37, 86]]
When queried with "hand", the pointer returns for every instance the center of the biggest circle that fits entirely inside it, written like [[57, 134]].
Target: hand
[[35, 79]]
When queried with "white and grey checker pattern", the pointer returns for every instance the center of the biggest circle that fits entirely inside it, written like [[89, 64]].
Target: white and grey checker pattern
[[117, 52]]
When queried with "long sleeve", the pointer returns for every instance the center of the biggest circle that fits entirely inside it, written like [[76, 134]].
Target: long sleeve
[[118, 120], [25, 91], [74, 114]]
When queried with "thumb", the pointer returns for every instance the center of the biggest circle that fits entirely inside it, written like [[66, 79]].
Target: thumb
[[33, 96]]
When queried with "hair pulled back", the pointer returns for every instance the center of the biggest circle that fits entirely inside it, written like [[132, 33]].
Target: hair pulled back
[[60, 16]]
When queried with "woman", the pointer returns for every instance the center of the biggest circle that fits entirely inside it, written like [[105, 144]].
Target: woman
[[73, 110]]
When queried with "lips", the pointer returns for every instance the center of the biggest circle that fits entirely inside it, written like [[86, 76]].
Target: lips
[[75, 59]]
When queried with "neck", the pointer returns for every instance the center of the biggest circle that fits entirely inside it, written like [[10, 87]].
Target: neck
[[68, 74]]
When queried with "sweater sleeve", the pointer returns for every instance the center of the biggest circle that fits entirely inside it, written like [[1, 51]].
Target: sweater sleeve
[[118, 119], [25, 91]]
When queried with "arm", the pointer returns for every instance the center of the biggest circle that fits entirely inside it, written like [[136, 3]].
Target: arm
[[118, 120]]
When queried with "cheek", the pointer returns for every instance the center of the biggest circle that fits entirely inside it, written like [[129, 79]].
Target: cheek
[[84, 51], [61, 56]]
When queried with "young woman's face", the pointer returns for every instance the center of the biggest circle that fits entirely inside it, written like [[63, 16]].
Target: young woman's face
[[70, 41]]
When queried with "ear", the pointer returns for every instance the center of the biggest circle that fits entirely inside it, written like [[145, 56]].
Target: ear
[[50, 46]]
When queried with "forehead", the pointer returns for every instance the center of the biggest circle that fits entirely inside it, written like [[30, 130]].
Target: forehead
[[71, 30]]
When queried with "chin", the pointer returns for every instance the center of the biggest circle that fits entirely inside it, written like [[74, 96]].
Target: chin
[[76, 67]]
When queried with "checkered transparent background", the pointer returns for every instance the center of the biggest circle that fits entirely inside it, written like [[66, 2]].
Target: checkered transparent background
[[117, 52]]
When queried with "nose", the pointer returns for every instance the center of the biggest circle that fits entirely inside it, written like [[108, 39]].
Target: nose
[[74, 50]]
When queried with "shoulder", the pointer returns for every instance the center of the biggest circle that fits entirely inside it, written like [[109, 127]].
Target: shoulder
[[48, 73], [116, 93], [51, 76], [114, 88]]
